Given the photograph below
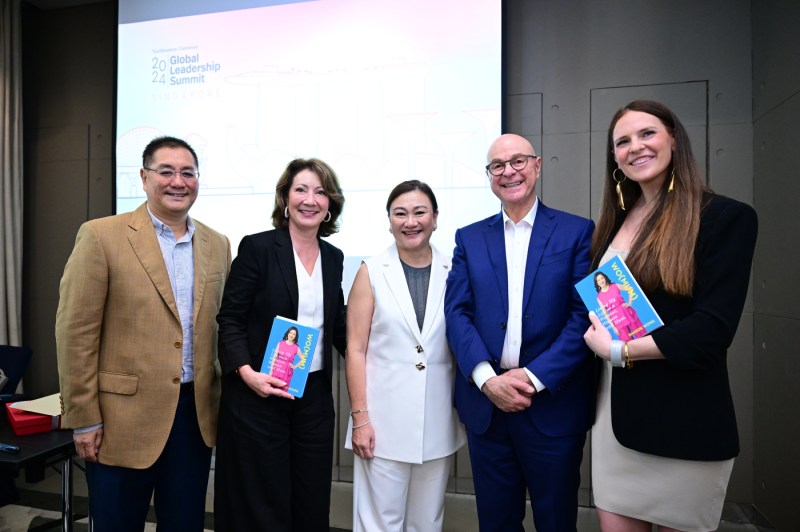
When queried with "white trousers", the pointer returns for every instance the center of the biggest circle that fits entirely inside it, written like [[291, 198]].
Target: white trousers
[[390, 496]]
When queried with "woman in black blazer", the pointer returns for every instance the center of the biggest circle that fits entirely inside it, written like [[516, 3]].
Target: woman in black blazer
[[665, 436], [274, 452]]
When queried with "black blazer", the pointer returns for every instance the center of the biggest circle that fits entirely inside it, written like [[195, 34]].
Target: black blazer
[[263, 284], [682, 407]]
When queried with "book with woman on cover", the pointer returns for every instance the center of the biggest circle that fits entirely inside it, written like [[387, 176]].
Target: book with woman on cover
[[290, 349], [613, 294]]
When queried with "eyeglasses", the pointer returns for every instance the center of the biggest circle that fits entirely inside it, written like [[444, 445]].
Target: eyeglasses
[[168, 174], [518, 162]]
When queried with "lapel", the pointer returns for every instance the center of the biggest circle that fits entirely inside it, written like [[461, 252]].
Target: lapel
[[144, 242], [543, 226], [284, 254], [200, 250], [496, 249], [440, 268], [396, 281]]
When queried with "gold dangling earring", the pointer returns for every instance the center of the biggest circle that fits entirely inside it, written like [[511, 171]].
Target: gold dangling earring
[[671, 181], [619, 186]]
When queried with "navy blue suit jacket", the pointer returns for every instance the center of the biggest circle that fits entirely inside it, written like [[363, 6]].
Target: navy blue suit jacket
[[553, 319]]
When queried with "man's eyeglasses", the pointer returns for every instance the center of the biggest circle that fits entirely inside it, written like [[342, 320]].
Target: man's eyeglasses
[[168, 174], [517, 162]]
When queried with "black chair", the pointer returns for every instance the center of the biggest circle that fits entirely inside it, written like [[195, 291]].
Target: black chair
[[13, 361]]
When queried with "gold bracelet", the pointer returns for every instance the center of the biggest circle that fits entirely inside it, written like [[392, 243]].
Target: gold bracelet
[[359, 411], [626, 354], [362, 425]]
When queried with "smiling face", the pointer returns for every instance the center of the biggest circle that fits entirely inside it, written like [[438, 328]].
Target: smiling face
[[291, 336], [516, 189], [170, 200], [600, 279], [412, 220], [643, 148], [307, 201]]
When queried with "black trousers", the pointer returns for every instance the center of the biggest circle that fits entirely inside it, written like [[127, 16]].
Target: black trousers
[[274, 459]]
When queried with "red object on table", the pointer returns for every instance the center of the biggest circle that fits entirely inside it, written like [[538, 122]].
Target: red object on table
[[24, 422]]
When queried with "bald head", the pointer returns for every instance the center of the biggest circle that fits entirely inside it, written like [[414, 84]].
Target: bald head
[[515, 183], [509, 143]]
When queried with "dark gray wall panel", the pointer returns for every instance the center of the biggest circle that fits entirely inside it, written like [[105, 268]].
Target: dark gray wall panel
[[777, 189], [776, 415], [776, 61], [564, 183], [730, 160], [526, 120]]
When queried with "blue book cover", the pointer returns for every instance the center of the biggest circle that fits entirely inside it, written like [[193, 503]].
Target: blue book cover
[[613, 294], [290, 349]]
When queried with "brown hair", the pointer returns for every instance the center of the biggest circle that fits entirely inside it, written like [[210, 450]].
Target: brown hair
[[330, 185], [662, 253]]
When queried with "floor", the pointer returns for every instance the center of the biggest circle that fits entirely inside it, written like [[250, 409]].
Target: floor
[[40, 504]]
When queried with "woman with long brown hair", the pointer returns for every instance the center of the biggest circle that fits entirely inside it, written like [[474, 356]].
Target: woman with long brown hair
[[665, 436]]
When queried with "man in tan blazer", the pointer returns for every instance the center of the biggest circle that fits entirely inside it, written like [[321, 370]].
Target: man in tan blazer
[[137, 349]]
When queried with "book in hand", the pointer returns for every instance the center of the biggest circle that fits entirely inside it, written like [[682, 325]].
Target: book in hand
[[613, 294], [290, 349]]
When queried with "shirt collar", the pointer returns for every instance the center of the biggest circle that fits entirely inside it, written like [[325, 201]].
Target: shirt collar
[[162, 228], [527, 218]]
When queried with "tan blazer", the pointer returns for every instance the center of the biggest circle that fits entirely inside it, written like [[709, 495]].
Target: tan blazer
[[119, 336]]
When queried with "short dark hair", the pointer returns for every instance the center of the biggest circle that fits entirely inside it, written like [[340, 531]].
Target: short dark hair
[[409, 186], [330, 184], [166, 142]]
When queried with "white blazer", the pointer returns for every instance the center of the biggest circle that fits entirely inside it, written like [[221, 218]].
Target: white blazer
[[410, 373]]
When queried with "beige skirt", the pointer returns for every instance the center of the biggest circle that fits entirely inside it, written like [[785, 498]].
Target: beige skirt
[[682, 494]]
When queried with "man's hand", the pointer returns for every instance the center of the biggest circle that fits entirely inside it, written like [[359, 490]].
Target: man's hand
[[88, 444], [509, 392]]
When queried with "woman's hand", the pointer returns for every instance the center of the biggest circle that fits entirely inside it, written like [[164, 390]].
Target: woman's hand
[[598, 338], [262, 384], [363, 440]]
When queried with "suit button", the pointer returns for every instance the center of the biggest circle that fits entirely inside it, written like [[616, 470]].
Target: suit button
[[176, 380], [178, 345]]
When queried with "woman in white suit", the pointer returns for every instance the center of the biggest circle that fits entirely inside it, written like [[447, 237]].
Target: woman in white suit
[[400, 373]]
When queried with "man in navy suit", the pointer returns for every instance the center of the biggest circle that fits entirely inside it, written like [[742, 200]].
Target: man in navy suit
[[515, 325]]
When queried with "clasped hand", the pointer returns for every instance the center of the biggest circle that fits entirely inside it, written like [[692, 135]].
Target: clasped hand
[[510, 392]]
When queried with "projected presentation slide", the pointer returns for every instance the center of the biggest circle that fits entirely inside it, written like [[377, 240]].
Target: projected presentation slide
[[383, 91]]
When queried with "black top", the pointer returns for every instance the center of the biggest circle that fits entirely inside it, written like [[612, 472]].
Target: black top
[[681, 407]]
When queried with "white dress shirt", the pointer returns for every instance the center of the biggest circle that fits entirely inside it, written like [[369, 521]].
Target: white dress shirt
[[517, 237]]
